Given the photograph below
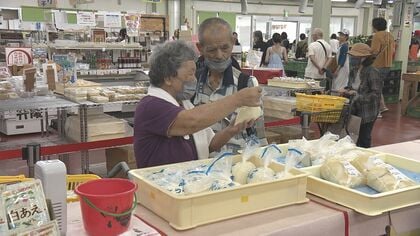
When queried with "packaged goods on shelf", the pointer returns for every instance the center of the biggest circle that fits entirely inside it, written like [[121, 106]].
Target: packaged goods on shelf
[[115, 128], [293, 82], [93, 92], [99, 99]]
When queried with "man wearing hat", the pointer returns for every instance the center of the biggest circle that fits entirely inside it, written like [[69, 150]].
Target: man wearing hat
[[366, 87], [319, 57], [341, 74]]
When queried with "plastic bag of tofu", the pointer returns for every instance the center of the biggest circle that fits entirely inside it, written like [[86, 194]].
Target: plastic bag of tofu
[[382, 176], [264, 173], [342, 172], [241, 169], [220, 172]]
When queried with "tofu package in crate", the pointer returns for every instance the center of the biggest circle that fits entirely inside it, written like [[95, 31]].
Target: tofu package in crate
[[367, 181], [195, 193]]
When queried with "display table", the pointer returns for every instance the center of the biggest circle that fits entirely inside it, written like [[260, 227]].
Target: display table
[[317, 217], [411, 81]]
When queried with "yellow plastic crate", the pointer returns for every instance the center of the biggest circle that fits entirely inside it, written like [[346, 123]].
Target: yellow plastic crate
[[13, 179], [189, 211], [73, 181], [367, 204]]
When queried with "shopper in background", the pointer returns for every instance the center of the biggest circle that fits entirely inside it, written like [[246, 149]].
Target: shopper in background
[[218, 76], [285, 41], [167, 127], [341, 74], [383, 47], [319, 57], [302, 46], [122, 36], [176, 35], [260, 45], [367, 95], [268, 44], [334, 43], [276, 54], [235, 37]]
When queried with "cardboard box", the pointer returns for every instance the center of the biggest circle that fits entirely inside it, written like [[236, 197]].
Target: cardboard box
[[119, 154]]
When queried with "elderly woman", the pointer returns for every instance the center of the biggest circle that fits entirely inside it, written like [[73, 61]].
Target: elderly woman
[[168, 129], [365, 84]]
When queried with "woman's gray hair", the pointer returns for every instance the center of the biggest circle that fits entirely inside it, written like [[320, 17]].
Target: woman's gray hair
[[167, 58]]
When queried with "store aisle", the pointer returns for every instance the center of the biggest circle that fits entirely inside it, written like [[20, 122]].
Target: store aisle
[[394, 128]]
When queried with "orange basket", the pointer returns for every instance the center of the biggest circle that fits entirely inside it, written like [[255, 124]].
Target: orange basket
[[323, 108]]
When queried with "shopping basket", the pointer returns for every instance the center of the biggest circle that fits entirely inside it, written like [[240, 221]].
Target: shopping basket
[[73, 181], [323, 108]]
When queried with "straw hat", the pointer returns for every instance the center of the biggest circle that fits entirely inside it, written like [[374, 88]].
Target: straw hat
[[360, 50]]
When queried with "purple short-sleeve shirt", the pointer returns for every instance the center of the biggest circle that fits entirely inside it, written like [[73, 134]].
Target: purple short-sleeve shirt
[[152, 146]]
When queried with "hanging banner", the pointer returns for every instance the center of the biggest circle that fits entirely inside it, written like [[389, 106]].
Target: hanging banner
[[112, 20], [86, 18], [18, 56], [132, 24]]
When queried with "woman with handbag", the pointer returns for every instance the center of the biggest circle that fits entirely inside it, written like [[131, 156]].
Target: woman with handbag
[[341, 72], [365, 84]]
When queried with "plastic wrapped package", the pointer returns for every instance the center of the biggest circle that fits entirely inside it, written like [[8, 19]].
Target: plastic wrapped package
[[92, 92], [115, 128], [107, 93], [240, 170], [196, 182], [247, 114], [342, 172], [381, 176], [6, 85], [25, 205], [385, 178], [99, 99], [219, 170], [265, 173]]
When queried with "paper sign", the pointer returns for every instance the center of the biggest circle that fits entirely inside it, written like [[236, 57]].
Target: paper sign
[[132, 24], [86, 18], [18, 56], [112, 21]]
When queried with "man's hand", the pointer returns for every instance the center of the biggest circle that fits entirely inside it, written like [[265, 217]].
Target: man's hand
[[235, 129], [249, 97]]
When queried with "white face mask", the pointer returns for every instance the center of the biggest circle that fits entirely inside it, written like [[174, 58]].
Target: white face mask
[[188, 90], [219, 66]]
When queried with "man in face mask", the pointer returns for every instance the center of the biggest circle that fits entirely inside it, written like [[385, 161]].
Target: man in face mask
[[219, 75]]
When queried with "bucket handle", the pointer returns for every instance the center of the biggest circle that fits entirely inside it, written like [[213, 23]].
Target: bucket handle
[[110, 213]]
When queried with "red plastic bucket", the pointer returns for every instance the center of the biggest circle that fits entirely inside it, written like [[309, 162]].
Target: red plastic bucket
[[107, 205]]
